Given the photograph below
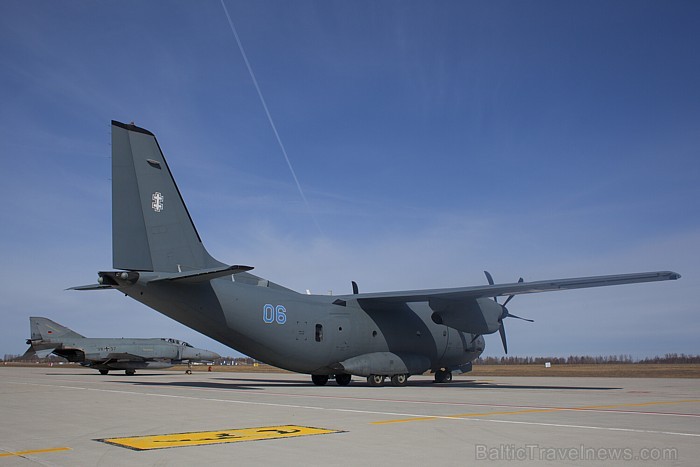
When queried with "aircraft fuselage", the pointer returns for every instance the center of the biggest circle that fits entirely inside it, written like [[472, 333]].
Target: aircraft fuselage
[[308, 333]]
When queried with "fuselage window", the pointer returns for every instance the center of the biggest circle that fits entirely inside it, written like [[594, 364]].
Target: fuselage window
[[319, 332]]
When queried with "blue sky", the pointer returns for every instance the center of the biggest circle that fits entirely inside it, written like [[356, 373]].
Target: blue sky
[[432, 140]]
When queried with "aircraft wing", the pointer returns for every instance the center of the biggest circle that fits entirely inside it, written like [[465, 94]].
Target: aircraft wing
[[123, 356], [517, 288]]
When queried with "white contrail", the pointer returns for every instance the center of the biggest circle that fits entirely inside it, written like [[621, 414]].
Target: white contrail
[[269, 117]]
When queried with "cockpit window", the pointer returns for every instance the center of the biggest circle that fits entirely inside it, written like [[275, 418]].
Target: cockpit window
[[175, 341]]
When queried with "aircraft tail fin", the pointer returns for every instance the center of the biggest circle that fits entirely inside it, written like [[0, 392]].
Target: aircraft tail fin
[[151, 227], [45, 329]]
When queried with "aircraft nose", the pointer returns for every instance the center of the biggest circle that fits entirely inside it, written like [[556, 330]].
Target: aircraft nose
[[191, 353]]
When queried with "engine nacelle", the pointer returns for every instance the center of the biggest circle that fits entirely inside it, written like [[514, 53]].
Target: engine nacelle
[[477, 316]]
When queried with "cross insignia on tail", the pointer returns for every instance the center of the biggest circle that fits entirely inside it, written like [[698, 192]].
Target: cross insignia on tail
[[157, 204]]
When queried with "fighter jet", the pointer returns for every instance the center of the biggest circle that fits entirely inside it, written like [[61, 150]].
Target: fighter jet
[[105, 354], [161, 262]]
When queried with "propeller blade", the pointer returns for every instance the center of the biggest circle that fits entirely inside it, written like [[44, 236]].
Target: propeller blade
[[505, 314], [524, 319], [508, 299], [490, 279], [502, 332]]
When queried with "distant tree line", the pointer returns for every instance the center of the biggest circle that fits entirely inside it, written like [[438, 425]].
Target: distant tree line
[[587, 360]]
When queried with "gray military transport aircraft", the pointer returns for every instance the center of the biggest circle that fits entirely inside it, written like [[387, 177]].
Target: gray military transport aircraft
[[162, 263], [106, 354]]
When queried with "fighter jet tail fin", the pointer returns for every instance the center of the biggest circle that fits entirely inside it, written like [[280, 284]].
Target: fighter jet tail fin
[[151, 227], [45, 329]]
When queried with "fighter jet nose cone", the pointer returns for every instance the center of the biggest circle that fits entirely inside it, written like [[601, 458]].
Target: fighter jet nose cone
[[199, 355]]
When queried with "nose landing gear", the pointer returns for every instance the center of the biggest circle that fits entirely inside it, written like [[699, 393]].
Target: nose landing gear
[[443, 376]]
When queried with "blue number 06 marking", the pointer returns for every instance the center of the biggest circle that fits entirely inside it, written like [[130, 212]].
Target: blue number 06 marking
[[273, 314]]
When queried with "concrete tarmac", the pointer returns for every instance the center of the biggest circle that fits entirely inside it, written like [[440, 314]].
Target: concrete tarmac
[[56, 416]]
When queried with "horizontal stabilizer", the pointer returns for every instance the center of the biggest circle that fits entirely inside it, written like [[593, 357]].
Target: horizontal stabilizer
[[33, 352], [202, 275], [91, 287]]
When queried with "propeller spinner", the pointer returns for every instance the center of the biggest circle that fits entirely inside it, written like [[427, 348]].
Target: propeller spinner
[[505, 314]]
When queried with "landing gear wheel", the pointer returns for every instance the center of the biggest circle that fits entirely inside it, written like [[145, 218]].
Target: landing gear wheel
[[442, 376], [104, 372], [375, 380], [343, 379], [130, 372], [399, 380], [319, 380], [188, 372]]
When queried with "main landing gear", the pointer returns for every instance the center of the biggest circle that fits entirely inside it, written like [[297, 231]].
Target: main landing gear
[[399, 380], [319, 380], [342, 379], [396, 380]]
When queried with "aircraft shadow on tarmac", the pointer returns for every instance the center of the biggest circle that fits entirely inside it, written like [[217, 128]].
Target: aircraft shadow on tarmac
[[116, 374], [249, 383]]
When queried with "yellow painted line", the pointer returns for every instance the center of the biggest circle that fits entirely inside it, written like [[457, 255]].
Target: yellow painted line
[[464, 415], [509, 412], [33, 451], [402, 420], [634, 404], [200, 438], [542, 410]]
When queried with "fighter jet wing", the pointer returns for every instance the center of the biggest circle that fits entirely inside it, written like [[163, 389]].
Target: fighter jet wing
[[517, 288], [123, 356]]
